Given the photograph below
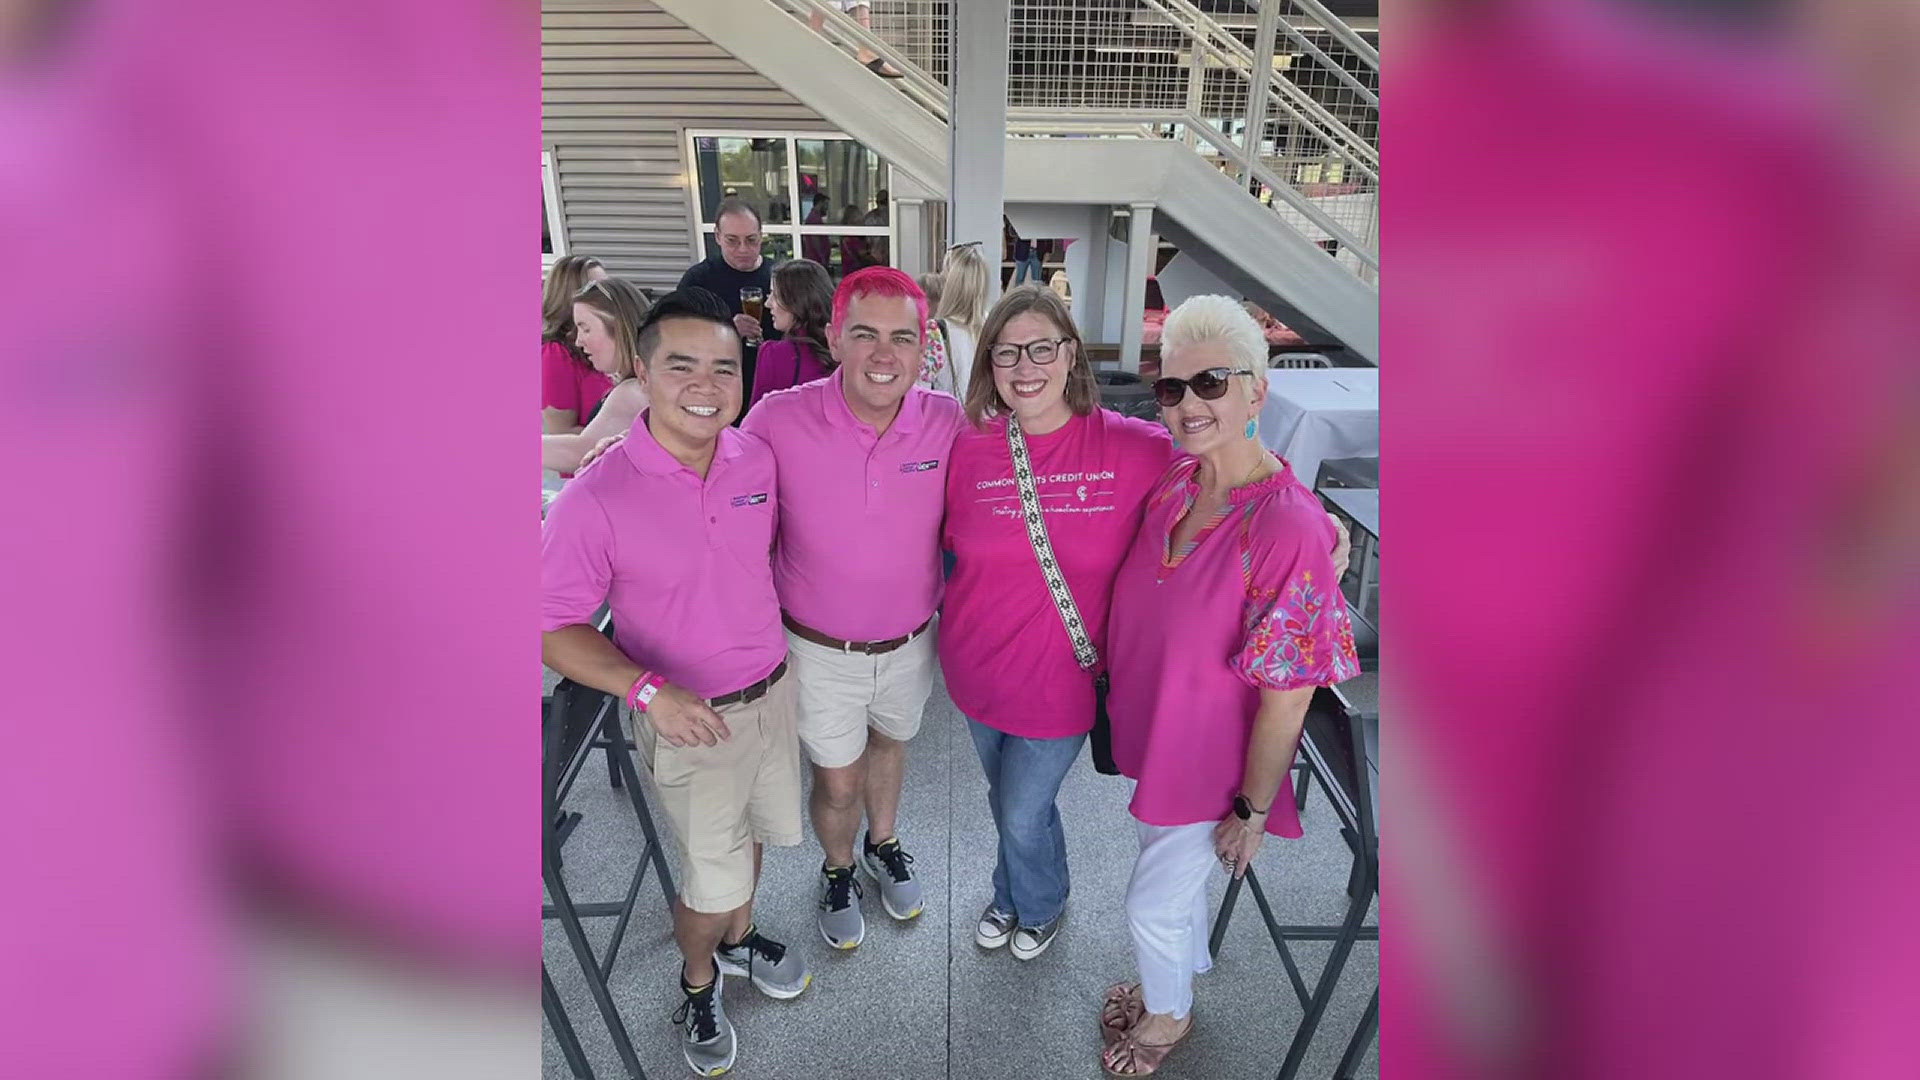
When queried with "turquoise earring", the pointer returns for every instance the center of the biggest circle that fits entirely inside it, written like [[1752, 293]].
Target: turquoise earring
[[1253, 428]]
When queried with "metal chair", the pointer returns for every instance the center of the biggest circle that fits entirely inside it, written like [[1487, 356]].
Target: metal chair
[[1348, 472], [576, 721], [1299, 360], [1335, 742]]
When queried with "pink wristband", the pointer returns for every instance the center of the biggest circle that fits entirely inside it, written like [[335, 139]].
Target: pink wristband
[[640, 695]]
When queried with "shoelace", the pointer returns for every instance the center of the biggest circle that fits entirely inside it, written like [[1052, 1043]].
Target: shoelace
[[705, 1027], [760, 947], [895, 860], [839, 884]]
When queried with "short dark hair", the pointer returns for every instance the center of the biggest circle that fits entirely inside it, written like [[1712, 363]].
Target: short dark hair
[[692, 302], [732, 205]]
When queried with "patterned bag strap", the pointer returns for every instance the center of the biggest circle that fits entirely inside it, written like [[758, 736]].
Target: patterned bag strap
[[1043, 549]]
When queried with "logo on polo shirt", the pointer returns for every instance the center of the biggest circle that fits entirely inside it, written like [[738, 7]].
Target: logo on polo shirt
[[754, 499], [920, 466]]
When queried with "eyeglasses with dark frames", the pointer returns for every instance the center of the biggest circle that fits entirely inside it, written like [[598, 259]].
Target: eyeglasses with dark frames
[[1044, 351]]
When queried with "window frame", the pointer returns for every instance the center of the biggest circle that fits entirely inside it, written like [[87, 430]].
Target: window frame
[[556, 213], [703, 228]]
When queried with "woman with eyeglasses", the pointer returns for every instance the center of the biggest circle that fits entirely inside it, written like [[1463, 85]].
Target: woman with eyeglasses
[[1226, 614], [1010, 664]]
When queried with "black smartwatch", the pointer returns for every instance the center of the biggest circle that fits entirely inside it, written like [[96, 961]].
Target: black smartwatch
[[1243, 809]]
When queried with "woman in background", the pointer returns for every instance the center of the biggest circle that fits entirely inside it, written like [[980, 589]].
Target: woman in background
[[606, 316], [964, 280], [801, 303], [570, 386]]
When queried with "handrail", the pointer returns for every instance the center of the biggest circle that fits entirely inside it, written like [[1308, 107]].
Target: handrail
[[922, 87], [1285, 191], [1203, 31], [1344, 34]]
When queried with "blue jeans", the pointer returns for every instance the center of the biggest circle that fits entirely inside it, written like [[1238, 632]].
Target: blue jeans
[[1023, 786], [1028, 267]]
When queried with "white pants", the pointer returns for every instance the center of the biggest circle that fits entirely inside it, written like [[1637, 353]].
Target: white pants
[[1167, 912]]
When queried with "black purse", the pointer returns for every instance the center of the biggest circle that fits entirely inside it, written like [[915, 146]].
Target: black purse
[[1100, 741]]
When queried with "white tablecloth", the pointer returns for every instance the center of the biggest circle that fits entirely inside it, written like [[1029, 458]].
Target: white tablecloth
[[1313, 414]]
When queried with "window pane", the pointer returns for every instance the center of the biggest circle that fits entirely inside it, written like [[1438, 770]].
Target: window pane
[[841, 183], [751, 169], [546, 229], [774, 246], [843, 253]]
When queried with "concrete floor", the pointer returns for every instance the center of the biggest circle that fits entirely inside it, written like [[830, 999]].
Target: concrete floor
[[919, 999]]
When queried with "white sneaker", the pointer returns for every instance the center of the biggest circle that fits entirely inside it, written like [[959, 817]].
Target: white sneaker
[[1031, 941]]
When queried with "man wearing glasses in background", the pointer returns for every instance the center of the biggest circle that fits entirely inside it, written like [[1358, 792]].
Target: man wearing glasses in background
[[739, 266]]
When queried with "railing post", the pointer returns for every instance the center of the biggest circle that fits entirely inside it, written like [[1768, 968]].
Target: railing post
[[1263, 36], [1140, 251], [1196, 89]]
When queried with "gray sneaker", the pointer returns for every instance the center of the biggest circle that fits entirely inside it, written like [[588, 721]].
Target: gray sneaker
[[1031, 941], [840, 920], [706, 1035], [778, 971], [899, 890], [995, 928]]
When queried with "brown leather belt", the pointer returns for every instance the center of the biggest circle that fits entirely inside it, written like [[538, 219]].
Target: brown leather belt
[[870, 648], [752, 693]]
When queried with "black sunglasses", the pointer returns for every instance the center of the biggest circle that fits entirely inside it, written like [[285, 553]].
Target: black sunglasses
[[1208, 385]]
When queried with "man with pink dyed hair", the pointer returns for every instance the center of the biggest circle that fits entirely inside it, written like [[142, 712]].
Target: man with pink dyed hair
[[863, 468]]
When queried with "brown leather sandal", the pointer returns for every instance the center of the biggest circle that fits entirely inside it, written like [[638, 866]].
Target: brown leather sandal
[[1121, 1010], [1139, 1058]]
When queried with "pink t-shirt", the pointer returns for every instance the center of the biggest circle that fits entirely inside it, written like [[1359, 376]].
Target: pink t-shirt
[[1252, 603], [1008, 661], [684, 563], [859, 554], [566, 383], [782, 364]]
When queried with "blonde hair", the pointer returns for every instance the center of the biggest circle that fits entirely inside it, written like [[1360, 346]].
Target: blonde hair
[[1201, 320], [983, 396], [963, 287], [564, 281]]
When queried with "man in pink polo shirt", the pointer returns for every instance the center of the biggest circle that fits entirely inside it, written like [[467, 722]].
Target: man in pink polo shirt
[[863, 461], [674, 532]]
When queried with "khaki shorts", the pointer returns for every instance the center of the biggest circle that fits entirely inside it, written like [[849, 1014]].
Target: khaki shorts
[[718, 800], [842, 694]]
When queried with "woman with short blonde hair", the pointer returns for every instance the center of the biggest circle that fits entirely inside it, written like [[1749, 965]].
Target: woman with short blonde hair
[[1226, 615]]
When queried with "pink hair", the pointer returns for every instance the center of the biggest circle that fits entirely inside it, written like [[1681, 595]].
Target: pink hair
[[877, 281]]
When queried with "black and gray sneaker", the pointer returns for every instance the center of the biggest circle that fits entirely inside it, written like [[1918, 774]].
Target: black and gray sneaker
[[1031, 941], [840, 920], [778, 971], [887, 862], [706, 1035]]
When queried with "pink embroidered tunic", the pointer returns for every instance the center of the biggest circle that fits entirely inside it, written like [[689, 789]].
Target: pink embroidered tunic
[[1195, 635]]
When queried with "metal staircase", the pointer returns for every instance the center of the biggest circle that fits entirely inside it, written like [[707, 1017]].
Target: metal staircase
[[1267, 176]]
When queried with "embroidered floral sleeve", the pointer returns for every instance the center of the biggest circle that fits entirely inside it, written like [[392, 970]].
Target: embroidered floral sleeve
[[1298, 632]]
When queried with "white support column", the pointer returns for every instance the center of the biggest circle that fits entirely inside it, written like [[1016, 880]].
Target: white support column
[[1089, 293], [977, 132], [1141, 244], [910, 236]]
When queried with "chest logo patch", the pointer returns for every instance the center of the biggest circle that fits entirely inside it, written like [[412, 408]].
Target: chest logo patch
[[754, 499], [920, 466]]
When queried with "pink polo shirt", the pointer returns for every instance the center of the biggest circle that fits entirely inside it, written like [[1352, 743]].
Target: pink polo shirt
[[683, 562], [1008, 661], [567, 383], [859, 554], [1251, 603]]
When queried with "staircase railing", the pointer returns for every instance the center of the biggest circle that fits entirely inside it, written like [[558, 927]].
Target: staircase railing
[[1300, 136]]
